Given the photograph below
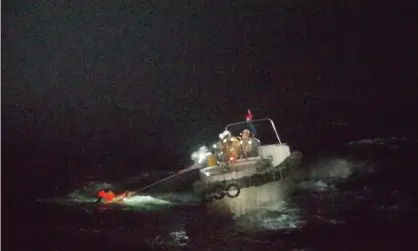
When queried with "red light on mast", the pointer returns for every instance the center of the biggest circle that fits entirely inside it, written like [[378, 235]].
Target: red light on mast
[[249, 115]]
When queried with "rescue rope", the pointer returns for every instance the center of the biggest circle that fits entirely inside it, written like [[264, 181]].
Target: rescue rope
[[167, 178]]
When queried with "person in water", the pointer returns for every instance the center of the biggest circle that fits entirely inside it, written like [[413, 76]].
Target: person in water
[[108, 196]]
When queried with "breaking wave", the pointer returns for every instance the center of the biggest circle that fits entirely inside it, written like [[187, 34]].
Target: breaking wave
[[337, 168], [323, 198], [287, 218], [88, 193]]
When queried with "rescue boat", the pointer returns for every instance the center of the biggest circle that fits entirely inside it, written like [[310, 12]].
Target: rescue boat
[[231, 185]]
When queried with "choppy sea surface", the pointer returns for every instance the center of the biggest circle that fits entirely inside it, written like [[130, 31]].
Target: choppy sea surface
[[359, 196]]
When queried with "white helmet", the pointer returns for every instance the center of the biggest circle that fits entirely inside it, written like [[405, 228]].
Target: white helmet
[[224, 134]]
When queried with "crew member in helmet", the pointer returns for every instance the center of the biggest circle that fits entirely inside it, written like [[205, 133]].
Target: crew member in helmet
[[249, 145], [230, 146]]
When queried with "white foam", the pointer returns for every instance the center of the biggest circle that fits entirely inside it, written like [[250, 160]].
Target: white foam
[[337, 168], [181, 198], [178, 238], [144, 200], [286, 218], [315, 185]]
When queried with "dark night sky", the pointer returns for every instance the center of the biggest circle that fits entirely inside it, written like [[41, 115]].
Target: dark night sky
[[122, 77]]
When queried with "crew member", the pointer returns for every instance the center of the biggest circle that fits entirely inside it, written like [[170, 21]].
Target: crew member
[[249, 145], [230, 146]]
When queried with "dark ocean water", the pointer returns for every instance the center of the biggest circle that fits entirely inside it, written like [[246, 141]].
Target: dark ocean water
[[359, 194], [360, 190]]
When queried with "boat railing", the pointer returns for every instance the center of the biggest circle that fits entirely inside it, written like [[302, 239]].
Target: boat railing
[[257, 120]]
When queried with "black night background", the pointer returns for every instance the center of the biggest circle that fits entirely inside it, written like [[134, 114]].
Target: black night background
[[112, 89]]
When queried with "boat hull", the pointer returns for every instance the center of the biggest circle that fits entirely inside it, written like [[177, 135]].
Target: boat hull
[[266, 196], [261, 190]]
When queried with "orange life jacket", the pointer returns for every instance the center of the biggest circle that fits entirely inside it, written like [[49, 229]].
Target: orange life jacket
[[231, 149], [107, 196]]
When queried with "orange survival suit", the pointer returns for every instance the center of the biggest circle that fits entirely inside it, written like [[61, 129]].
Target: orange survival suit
[[107, 196]]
